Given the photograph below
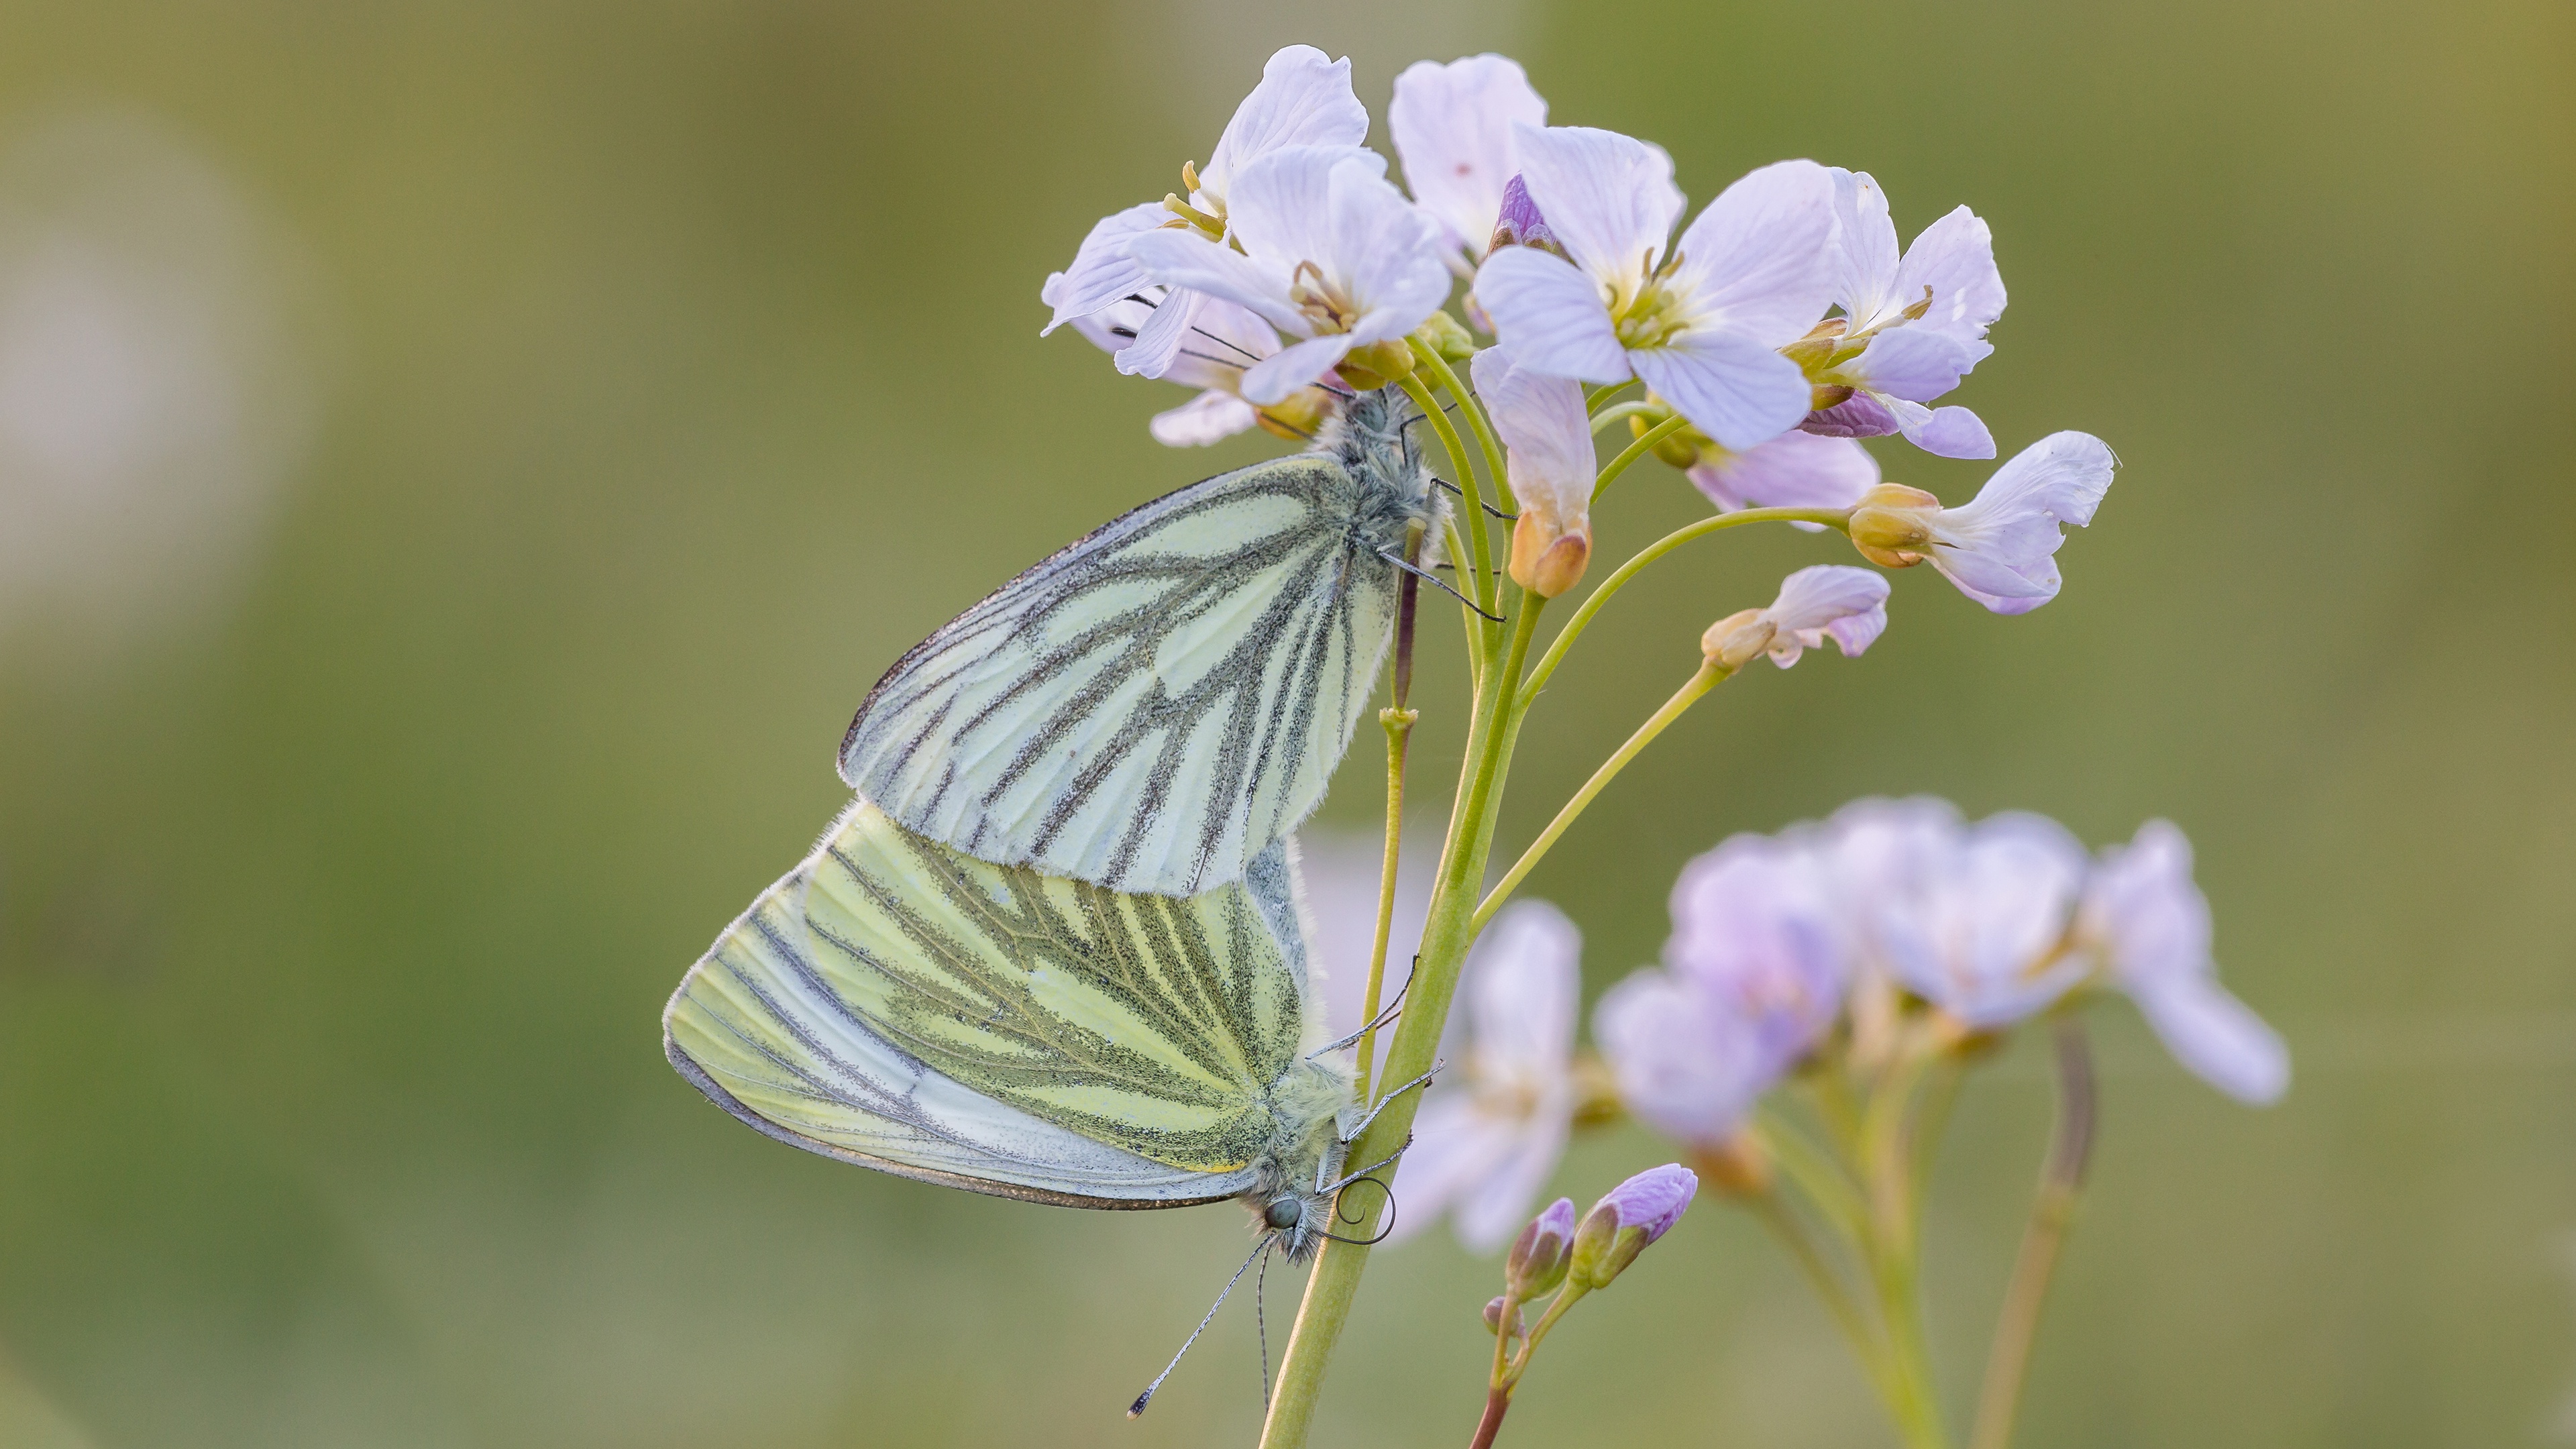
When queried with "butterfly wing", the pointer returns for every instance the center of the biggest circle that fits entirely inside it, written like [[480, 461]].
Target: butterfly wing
[[1154, 706], [897, 1004]]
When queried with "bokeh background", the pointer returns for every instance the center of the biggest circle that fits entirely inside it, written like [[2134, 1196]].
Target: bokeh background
[[460, 465]]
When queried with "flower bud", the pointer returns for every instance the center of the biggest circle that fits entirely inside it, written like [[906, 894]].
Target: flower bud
[[1521, 224], [1374, 366], [1735, 640], [1545, 562], [1446, 336], [1627, 1219], [1298, 417], [1892, 525], [1494, 1317], [1539, 1255]]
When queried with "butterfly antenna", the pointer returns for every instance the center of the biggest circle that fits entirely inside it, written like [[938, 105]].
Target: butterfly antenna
[[1422, 573], [1228, 346], [1383, 1233], [1136, 1410], [1260, 1323]]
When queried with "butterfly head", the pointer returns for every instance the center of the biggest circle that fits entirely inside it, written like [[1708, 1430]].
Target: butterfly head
[[1371, 435]]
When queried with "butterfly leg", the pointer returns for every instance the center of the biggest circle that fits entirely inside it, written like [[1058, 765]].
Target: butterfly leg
[[1490, 509], [1442, 583], [1350, 1131], [1347, 1178], [1383, 1018]]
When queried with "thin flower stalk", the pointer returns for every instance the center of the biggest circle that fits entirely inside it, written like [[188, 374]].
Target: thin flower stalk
[[1472, 504], [2052, 1213]]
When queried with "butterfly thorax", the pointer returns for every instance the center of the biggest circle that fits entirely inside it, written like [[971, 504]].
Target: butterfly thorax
[[1305, 1153], [1370, 437]]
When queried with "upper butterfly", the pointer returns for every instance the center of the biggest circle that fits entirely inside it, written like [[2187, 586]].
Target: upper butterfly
[[1157, 704]]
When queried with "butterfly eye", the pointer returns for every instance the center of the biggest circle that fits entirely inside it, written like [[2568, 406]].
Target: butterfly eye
[[1283, 1213]]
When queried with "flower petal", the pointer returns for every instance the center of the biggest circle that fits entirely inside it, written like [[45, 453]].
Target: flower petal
[[1851, 602], [1282, 206], [1452, 126], [1490, 1213], [1865, 247], [1550, 317], [1211, 417], [1793, 470], [1522, 984], [1758, 260], [1547, 438], [1304, 99], [1102, 272], [1158, 343], [1609, 198], [1912, 363], [1456, 1146], [1186, 260], [1735, 388], [2001, 545], [1955, 258], [1385, 252], [2218, 1038], [1272, 379], [1857, 416], [1951, 432], [1684, 1062]]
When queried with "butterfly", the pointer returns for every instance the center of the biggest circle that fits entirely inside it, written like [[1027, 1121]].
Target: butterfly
[[895, 1003], [1164, 700]]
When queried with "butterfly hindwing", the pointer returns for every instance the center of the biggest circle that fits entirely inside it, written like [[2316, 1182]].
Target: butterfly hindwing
[[1155, 705], [895, 1002]]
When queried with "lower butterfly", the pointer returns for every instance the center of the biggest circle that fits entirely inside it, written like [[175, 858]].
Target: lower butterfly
[[897, 1004], [1162, 701]]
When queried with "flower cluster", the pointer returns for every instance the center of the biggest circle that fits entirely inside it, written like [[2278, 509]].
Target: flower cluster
[[1823, 933], [1780, 941], [1779, 326]]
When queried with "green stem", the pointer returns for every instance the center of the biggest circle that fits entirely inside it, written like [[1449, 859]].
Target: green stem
[[1479, 588], [1817, 1174], [1645, 444], [1398, 723], [1616, 411], [1592, 602], [1594, 397], [1887, 1165], [2052, 1213], [1710, 672], [1828, 1283], [1334, 1284], [1476, 421]]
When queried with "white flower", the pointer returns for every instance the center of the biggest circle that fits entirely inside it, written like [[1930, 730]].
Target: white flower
[[1304, 99], [1331, 253], [1978, 923], [1484, 1146], [2149, 926], [1822, 601], [2001, 548], [1920, 323], [1700, 327], [1223, 342], [1452, 126], [1550, 463], [1793, 470]]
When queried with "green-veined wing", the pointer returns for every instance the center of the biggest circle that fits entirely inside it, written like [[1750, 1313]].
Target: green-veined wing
[[1165, 699], [896, 1003]]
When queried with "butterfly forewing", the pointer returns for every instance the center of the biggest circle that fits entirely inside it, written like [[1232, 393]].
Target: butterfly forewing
[[1156, 705], [894, 1001]]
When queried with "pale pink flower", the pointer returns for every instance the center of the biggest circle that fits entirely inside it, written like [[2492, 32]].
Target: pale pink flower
[[1452, 127], [1921, 321], [2148, 927]]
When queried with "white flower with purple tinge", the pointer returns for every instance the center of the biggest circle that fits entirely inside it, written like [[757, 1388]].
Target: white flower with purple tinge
[[1628, 1220], [1304, 99], [2148, 926], [1226, 341], [1485, 1143], [1550, 463], [1793, 470], [1452, 126], [2000, 549], [1701, 325], [1979, 925], [1754, 977], [1330, 254], [1822, 601], [1911, 327]]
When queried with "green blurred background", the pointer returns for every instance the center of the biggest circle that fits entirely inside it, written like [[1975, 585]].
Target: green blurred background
[[471, 459]]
